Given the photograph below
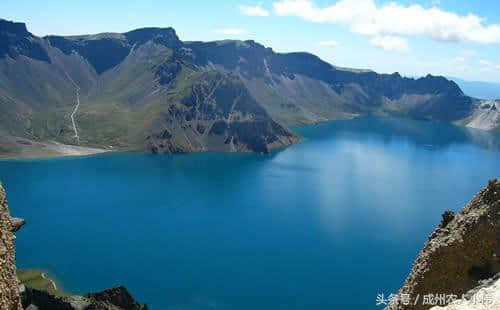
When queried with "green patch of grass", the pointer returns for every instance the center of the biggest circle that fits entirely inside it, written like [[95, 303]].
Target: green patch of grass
[[39, 280]]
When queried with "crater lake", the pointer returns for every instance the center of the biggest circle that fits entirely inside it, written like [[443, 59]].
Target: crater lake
[[328, 223]]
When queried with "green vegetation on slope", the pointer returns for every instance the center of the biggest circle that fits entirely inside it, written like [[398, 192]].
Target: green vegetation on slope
[[39, 280]]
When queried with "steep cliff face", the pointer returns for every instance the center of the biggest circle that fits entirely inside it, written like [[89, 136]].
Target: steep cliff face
[[135, 86], [463, 251], [300, 87], [216, 112], [15, 40], [9, 285]]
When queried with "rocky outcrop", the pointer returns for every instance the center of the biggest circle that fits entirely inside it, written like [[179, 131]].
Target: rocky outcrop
[[486, 115], [463, 251], [9, 284], [112, 299], [218, 113], [484, 297], [15, 40], [115, 297], [17, 223]]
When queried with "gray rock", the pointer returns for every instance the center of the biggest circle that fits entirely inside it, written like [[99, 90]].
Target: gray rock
[[17, 223]]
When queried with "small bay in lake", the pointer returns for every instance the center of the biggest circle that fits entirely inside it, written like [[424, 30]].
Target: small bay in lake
[[328, 223]]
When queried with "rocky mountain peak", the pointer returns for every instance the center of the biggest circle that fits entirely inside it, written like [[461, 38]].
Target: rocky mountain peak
[[16, 40], [163, 36], [14, 28], [440, 84], [107, 50]]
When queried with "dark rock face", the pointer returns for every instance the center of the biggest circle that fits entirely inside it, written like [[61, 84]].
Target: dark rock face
[[168, 71], [217, 109], [253, 60], [446, 103], [103, 54], [447, 217], [257, 135], [162, 36], [107, 52], [15, 40], [119, 297], [247, 55], [461, 252], [112, 299], [44, 301]]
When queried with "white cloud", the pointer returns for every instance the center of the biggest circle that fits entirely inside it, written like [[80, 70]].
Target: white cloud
[[391, 43], [488, 66], [230, 31], [464, 57], [330, 43], [254, 10], [469, 53], [365, 17]]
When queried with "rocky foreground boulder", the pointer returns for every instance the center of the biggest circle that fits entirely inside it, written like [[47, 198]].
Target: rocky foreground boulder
[[9, 284], [460, 258], [484, 297], [14, 296]]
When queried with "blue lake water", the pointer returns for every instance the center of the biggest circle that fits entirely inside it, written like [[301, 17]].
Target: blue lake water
[[325, 224]]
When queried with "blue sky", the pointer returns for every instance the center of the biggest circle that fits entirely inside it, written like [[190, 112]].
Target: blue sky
[[413, 37]]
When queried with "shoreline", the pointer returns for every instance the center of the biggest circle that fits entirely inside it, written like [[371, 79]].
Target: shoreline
[[16, 148], [41, 280], [22, 149], [52, 282]]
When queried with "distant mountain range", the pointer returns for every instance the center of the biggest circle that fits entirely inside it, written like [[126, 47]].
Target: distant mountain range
[[483, 90], [148, 90]]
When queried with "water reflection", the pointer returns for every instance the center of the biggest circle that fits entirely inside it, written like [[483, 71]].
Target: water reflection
[[420, 133], [293, 230]]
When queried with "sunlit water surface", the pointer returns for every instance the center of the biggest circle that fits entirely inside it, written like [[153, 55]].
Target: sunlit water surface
[[325, 224]]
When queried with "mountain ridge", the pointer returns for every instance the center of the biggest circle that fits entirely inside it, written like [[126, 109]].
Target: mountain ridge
[[148, 90]]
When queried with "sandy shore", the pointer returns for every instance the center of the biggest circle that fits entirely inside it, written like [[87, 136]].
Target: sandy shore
[[21, 148]]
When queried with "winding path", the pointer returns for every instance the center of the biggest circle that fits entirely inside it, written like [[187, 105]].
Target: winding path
[[73, 114]]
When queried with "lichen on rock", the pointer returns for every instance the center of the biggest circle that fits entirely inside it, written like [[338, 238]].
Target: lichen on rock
[[9, 284], [462, 251], [484, 297]]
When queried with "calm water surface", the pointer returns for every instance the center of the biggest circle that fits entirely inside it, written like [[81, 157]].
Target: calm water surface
[[325, 224]]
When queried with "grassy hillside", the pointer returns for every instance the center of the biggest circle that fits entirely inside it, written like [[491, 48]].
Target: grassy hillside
[[39, 280], [147, 90]]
